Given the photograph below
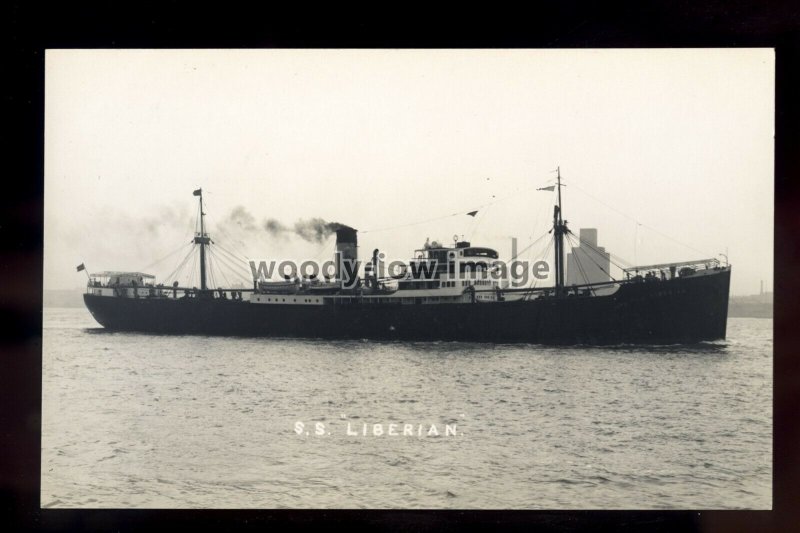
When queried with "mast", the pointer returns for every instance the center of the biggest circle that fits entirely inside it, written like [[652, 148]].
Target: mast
[[203, 240], [559, 229]]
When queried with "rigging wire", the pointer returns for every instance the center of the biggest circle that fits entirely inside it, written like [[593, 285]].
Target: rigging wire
[[175, 273], [238, 256], [541, 219], [474, 208], [577, 260], [179, 275], [412, 223], [233, 259], [527, 294], [322, 248], [210, 284], [235, 255], [583, 272], [221, 255], [232, 266], [635, 220], [197, 219], [180, 266], [192, 273], [221, 271], [187, 266], [582, 241], [528, 247], [211, 271], [590, 257], [235, 262], [228, 237], [189, 232], [173, 252]]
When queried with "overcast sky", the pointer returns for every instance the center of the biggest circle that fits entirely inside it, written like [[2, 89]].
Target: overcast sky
[[669, 153]]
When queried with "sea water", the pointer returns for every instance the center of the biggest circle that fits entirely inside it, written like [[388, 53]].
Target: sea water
[[158, 421]]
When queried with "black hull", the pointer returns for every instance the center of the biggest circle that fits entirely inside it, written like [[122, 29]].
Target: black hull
[[683, 310]]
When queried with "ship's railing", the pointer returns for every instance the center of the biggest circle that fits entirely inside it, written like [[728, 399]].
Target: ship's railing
[[706, 264], [641, 274], [666, 271], [162, 291]]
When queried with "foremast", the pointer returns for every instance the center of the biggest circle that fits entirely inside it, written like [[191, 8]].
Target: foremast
[[202, 240]]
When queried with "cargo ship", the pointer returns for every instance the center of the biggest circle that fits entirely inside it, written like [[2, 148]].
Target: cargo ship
[[457, 299]]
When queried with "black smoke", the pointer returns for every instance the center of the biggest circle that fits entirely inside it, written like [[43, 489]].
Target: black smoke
[[315, 230]]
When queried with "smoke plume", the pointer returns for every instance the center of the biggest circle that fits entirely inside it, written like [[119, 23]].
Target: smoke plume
[[273, 227], [242, 218], [314, 230]]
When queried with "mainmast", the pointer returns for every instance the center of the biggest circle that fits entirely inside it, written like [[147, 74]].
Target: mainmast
[[559, 229], [203, 240]]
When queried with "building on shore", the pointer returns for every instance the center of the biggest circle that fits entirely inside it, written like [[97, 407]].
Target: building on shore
[[588, 262]]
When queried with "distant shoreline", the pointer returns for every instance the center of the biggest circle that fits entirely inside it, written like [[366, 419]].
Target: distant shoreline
[[62, 298], [753, 306], [754, 311]]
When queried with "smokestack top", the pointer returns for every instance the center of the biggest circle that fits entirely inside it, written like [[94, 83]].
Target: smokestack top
[[345, 234]]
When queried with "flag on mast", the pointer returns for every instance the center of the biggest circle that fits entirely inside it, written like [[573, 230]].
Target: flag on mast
[[198, 192], [472, 213], [81, 267], [550, 188]]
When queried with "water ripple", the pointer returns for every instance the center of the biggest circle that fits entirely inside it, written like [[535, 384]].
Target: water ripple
[[132, 420]]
